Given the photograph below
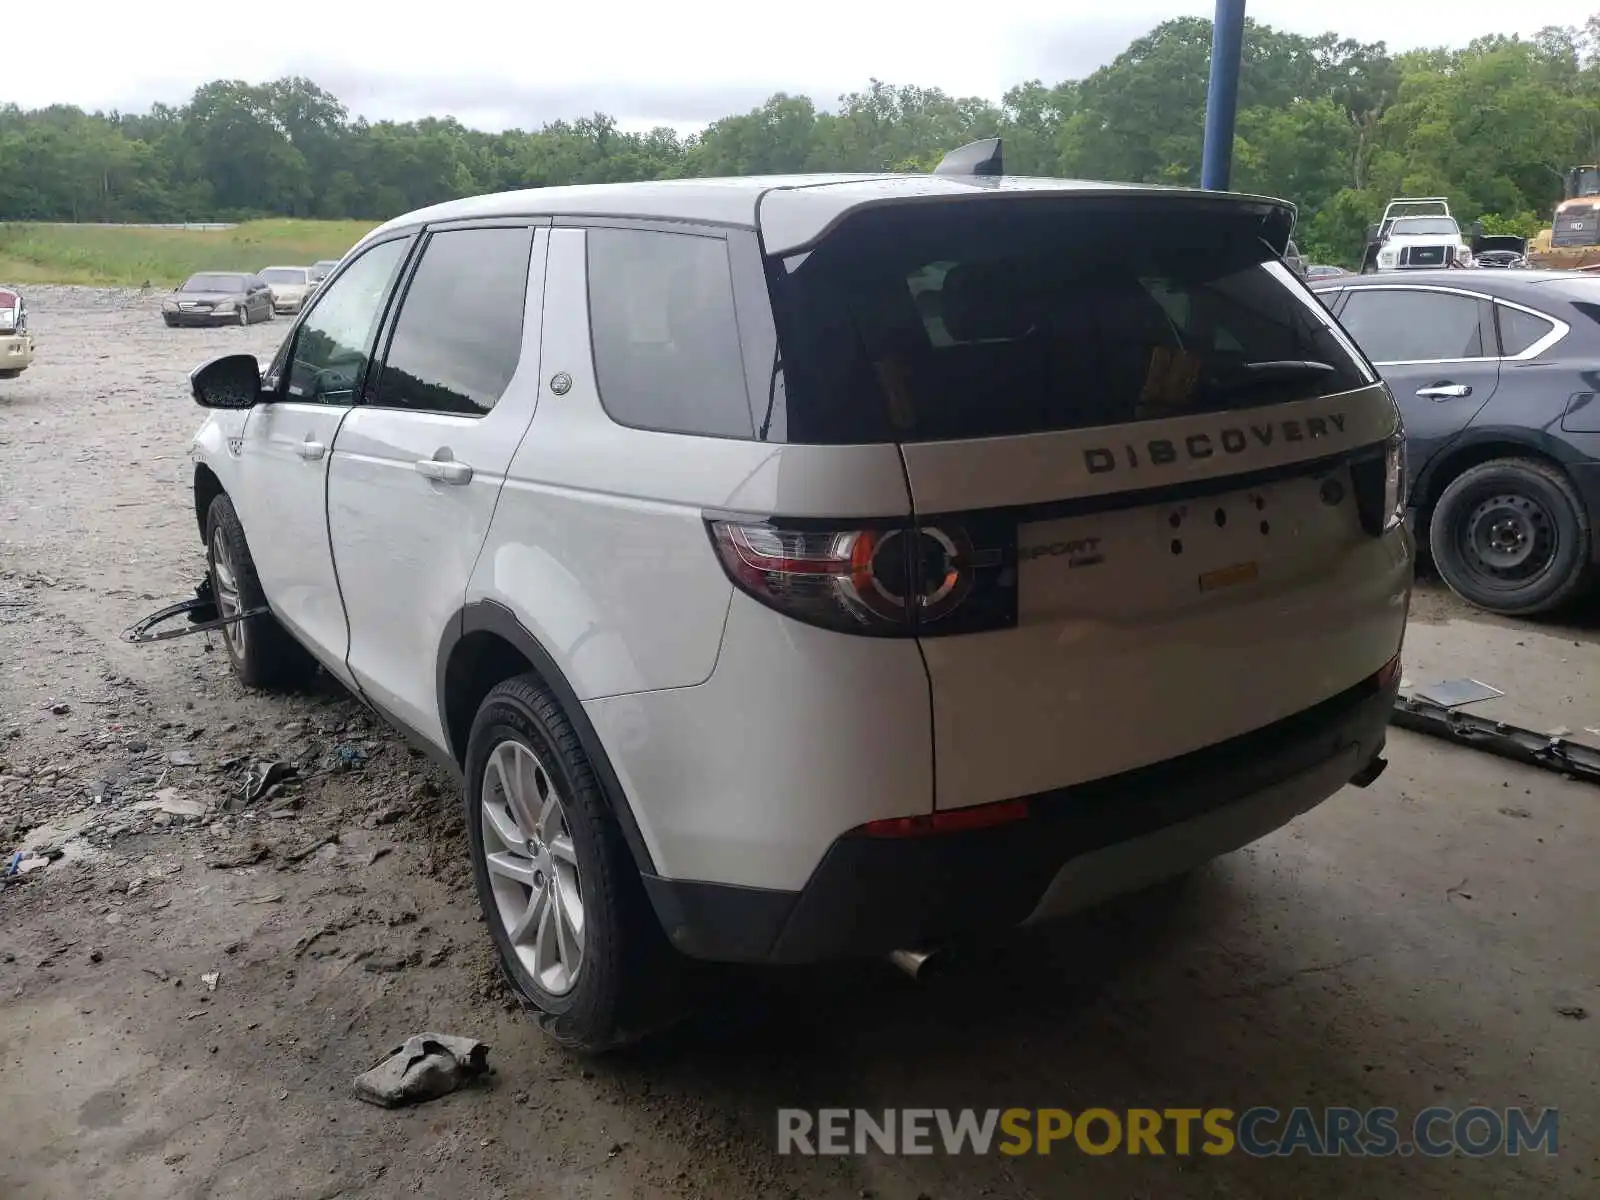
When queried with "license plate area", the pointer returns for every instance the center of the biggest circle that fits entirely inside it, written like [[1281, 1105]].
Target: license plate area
[[1180, 553]]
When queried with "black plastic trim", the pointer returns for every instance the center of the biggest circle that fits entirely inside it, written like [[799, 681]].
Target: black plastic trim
[[487, 616], [870, 895], [1075, 506]]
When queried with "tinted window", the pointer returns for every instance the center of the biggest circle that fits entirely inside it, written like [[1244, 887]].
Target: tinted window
[[459, 336], [284, 275], [1407, 326], [1519, 330], [214, 283], [984, 319], [334, 343], [666, 343]]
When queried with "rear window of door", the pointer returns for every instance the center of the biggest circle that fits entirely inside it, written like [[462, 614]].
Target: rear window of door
[[458, 338], [1400, 325], [985, 319]]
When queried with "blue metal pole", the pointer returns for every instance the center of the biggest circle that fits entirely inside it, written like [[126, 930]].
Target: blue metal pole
[[1222, 97]]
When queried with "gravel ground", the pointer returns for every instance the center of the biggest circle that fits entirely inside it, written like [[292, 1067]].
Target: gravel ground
[[1427, 941]]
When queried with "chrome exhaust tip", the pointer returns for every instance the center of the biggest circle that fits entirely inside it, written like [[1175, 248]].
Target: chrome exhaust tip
[[919, 964]]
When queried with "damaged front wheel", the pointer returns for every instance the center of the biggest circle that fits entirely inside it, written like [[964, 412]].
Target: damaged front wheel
[[261, 650]]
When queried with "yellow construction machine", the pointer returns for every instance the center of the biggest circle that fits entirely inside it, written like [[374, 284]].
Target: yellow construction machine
[[1572, 243]]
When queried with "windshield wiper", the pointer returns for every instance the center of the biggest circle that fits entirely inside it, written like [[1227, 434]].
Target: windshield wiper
[[1288, 366], [1260, 374]]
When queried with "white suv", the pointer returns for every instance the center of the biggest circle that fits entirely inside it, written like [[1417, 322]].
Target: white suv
[[807, 567]]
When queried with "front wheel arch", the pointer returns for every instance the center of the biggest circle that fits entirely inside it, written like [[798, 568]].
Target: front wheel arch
[[207, 487]]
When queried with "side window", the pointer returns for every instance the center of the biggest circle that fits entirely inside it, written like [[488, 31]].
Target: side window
[[334, 343], [1518, 329], [666, 343], [1329, 297], [458, 339], [1413, 326]]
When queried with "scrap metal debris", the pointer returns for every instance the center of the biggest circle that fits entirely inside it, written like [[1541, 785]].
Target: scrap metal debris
[[1571, 759], [24, 861], [1453, 693], [266, 779], [427, 1066]]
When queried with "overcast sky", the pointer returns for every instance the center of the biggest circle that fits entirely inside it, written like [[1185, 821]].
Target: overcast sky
[[499, 63]]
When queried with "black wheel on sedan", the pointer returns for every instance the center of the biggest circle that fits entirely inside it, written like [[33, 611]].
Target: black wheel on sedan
[[1511, 536]]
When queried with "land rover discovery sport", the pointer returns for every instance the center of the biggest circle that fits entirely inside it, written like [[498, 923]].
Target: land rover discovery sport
[[797, 568]]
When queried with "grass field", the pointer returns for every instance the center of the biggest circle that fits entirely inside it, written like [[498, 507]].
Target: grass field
[[118, 256]]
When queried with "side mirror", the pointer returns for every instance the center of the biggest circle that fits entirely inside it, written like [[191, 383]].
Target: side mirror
[[232, 381]]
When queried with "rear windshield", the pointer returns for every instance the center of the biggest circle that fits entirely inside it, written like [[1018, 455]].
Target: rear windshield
[[284, 275], [214, 283], [981, 320]]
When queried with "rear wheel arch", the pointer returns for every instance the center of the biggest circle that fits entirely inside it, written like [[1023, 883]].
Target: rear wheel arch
[[1446, 466], [484, 645]]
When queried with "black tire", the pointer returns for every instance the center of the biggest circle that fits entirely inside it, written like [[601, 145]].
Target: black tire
[[1520, 502], [244, 314], [263, 654], [10, 374], [630, 982]]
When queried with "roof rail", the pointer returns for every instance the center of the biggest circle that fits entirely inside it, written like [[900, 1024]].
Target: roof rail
[[982, 157]]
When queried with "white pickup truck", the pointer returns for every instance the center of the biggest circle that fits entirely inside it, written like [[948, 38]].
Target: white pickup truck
[[1416, 233]]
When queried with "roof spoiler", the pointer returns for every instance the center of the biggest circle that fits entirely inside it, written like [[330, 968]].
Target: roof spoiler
[[982, 157]]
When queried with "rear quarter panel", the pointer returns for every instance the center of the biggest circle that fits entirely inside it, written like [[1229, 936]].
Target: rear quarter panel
[[599, 544]]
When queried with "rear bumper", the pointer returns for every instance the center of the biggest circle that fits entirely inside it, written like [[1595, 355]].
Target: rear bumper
[[1077, 846]]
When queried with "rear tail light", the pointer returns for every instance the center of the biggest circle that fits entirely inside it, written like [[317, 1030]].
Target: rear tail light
[[1394, 481], [877, 580], [1380, 486]]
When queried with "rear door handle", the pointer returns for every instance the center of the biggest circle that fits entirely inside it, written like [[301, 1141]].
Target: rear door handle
[[1445, 391], [310, 450], [443, 470]]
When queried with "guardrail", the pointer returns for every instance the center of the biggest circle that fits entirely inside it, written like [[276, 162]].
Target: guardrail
[[193, 226]]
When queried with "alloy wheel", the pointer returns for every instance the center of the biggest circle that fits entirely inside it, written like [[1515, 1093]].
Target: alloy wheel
[[533, 866], [225, 588]]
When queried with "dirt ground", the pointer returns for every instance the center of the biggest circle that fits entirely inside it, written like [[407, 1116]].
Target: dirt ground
[[1428, 941]]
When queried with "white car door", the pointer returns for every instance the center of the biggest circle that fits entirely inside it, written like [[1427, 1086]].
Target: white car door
[[417, 466], [281, 489]]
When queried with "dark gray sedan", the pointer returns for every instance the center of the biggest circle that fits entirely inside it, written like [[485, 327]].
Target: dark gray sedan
[[219, 298], [1497, 374]]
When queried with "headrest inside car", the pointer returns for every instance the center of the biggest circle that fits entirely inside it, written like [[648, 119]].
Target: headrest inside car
[[980, 301]]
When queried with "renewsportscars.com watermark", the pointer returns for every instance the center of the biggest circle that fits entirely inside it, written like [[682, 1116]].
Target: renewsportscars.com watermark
[[1258, 1132]]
